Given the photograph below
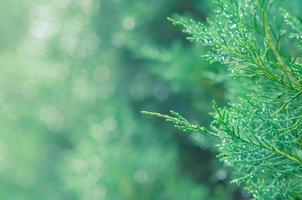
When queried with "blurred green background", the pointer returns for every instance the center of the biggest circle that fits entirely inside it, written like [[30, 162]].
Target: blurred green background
[[74, 77]]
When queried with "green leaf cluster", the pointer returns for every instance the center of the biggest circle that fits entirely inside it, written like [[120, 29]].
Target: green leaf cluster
[[260, 130]]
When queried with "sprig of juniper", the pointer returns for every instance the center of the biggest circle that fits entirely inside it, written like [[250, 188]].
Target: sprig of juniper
[[179, 121], [261, 130]]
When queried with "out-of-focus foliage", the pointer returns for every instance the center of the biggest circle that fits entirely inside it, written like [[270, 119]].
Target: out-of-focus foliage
[[74, 76]]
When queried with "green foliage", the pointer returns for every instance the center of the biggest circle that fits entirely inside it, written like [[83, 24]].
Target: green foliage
[[260, 130], [179, 122], [74, 75]]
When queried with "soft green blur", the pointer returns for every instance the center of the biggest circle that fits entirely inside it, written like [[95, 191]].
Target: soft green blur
[[74, 77]]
